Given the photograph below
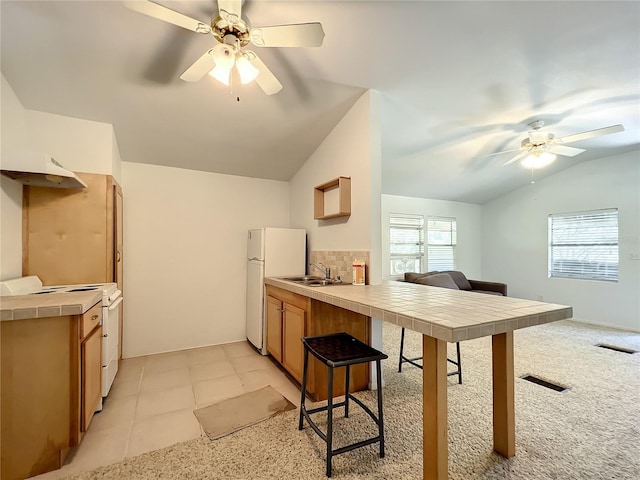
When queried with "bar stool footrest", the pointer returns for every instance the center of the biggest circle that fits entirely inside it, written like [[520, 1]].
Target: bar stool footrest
[[353, 446]]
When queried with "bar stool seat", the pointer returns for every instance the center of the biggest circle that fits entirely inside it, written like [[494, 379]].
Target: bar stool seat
[[340, 350]]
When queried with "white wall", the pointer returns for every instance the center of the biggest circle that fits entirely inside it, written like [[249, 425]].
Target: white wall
[[515, 239], [13, 131], [352, 149], [79, 145], [185, 254], [469, 224]]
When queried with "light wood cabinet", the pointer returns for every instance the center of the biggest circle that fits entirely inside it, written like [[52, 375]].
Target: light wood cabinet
[[274, 327], [90, 365], [342, 186], [72, 236], [49, 371], [294, 327], [286, 324], [289, 317]]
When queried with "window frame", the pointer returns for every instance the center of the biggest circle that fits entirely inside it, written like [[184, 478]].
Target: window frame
[[453, 231], [420, 255], [581, 238]]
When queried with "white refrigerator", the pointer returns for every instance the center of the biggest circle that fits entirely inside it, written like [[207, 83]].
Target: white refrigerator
[[271, 252]]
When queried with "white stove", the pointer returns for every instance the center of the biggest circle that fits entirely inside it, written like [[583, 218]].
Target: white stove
[[111, 299]]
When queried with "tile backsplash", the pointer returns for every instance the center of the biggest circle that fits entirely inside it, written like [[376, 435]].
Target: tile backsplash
[[340, 263]]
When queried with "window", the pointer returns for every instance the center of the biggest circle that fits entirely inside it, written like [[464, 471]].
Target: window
[[441, 243], [406, 243], [584, 245]]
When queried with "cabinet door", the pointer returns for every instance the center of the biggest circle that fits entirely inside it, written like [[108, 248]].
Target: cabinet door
[[274, 327], [91, 376], [293, 325], [118, 274], [118, 237], [66, 233]]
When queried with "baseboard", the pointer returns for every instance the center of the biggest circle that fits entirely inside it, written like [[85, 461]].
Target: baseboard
[[606, 325]]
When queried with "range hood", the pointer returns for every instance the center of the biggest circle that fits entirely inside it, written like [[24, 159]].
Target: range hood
[[38, 169]]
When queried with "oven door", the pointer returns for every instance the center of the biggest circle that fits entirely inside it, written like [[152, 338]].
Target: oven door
[[110, 322]]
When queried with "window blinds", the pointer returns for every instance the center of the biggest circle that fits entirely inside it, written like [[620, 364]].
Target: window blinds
[[441, 243], [584, 245], [406, 243]]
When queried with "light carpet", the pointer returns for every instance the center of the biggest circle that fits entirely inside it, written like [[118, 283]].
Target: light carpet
[[591, 431]]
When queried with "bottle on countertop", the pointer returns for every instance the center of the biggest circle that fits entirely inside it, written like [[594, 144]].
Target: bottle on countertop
[[358, 272]]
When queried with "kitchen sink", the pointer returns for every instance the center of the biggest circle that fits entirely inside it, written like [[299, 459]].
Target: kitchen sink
[[304, 278], [311, 281]]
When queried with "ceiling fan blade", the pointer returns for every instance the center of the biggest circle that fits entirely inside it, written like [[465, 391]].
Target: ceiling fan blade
[[503, 151], [232, 7], [591, 133], [266, 80], [522, 154], [296, 35], [564, 150], [166, 14], [200, 67]]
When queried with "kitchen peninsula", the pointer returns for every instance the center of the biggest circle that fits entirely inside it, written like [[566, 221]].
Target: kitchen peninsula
[[445, 315], [51, 367]]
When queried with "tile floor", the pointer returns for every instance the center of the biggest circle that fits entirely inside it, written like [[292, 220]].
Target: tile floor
[[152, 399]]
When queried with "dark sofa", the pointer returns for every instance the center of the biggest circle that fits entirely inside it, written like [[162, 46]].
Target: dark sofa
[[456, 280]]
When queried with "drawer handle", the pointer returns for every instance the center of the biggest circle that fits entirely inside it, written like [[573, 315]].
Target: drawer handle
[[95, 317], [279, 309]]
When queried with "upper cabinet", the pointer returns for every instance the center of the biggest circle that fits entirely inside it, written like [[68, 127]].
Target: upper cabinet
[[339, 189], [74, 235]]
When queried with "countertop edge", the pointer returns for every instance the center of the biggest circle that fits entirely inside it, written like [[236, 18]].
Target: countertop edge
[[532, 312], [22, 307]]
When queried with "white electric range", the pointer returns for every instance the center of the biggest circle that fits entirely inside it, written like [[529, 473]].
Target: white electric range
[[111, 299]]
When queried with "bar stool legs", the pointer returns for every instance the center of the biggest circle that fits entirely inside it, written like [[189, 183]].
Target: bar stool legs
[[340, 350], [413, 361], [380, 421]]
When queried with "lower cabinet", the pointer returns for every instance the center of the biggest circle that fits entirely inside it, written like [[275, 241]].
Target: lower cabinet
[[294, 327], [91, 366], [49, 389], [286, 325], [290, 316], [274, 327]]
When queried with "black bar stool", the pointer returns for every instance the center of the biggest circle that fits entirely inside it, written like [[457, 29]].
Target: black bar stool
[[341, 350], [413, 361]]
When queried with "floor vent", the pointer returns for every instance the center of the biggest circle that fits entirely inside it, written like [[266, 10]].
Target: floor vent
[[617, 349], [544, 383]]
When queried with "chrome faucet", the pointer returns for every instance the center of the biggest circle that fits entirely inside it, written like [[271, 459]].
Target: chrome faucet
[[323, 269]]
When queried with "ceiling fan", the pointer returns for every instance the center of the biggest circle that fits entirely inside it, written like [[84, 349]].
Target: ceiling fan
[[539, 149], [233, 34]]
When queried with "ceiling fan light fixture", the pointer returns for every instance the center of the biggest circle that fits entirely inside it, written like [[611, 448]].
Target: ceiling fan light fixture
[[248, 73], [537, 160], [224, 56], [221, 74]]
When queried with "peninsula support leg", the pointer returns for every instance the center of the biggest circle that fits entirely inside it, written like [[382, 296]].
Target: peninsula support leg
[[435, 440], [504, 426]]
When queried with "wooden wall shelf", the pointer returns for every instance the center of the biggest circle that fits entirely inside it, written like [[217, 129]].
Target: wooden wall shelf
[[343, 184]]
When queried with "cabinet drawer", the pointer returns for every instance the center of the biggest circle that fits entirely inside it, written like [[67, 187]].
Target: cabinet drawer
[[90, 319]]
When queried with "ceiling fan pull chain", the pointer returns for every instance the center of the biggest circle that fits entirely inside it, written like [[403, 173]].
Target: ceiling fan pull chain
[[235, 84]]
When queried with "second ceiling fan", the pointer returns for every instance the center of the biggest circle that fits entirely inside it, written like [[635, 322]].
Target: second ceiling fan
[[233, 35], [540, 148]]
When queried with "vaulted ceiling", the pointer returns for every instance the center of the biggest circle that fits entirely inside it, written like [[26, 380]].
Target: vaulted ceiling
[[458, 80]]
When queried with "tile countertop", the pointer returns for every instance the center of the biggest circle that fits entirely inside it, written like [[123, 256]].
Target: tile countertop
[[20, 307], [450, 315]]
